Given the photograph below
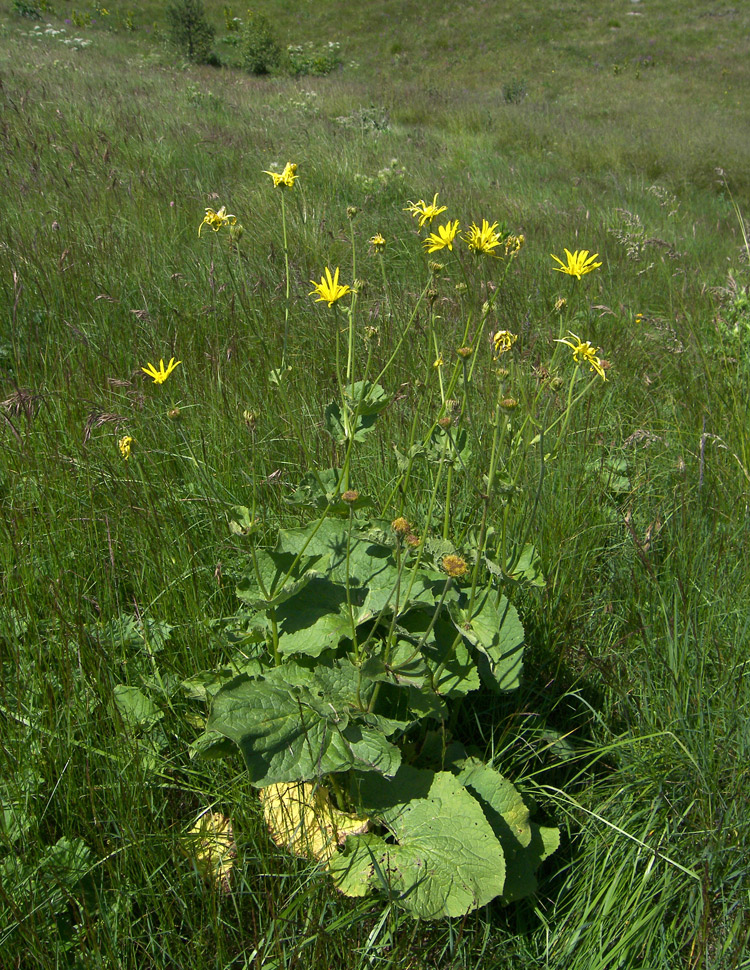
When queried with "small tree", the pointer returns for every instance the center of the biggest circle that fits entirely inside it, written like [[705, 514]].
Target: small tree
[[260, 49], [189, 30]]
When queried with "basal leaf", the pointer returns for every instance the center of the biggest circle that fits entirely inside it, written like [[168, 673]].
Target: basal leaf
[[525, 843], [137, 710], [316, 619], [446, 860], [301, 818], [274, 584], [288, 732], [496, 631]]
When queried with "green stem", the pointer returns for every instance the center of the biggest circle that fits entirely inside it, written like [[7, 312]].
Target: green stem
[[286, 267]]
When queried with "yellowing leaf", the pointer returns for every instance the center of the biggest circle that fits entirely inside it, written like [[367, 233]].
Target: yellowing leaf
[[301, 818], [211, 846]]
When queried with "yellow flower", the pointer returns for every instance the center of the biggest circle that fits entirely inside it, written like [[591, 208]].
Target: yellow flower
[[438, 361], [159, 376], [425, 212], [328, 289], [503, 341], [584, 352], [483, 240], [513, 245], [560, 303], [377, 242], [455, 566], [216, 220], [125, 445], [443, 237], [286, 179], [579, 263]]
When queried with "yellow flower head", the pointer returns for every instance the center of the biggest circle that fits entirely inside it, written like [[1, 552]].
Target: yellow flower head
[[216, 220], [455, 566], [125, 444], [285, 179], [329, 290], [584, 352], [503, 341], [443, 238], [513, 245], [377, 242], [483, 240], [159, 376], [438, 361], [425, 212], [579, 263]]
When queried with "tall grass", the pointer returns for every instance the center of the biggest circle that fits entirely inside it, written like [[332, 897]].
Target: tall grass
[[630, 728]]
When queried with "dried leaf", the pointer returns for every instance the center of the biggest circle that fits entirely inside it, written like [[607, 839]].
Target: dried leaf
[[301, 818], [210, 844]]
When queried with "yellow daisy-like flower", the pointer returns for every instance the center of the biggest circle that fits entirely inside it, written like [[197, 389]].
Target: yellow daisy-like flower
[[579, 263], [425, 212], [329, 290], [503, 341], [483, 240], [377, 242], [285, 179], [159, 376], [443, 238], [217, 220], [125, 445], [584, 352]]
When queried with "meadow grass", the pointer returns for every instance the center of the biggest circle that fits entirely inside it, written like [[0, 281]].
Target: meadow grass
[[630, 727]]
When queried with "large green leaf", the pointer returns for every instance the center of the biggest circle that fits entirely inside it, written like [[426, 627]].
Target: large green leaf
[[496, 631], [316, 619], [290, 727], [276, 581], [525, 843], [447, 656], [445, 861]]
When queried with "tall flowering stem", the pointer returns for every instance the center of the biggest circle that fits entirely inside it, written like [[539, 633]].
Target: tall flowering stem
[[286, 269]]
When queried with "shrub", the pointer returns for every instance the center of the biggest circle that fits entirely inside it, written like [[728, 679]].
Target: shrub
[[28, 8], [259, 48], [312, 59], [189, 30]]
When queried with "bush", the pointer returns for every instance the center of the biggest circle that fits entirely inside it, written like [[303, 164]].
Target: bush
[[28, 8], [189, 30], [313, 59], [259, 48]]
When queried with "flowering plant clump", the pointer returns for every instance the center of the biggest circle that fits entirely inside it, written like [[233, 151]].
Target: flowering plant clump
[[362, 632]]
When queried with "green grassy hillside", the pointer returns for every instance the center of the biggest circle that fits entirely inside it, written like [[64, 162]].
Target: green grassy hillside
[[620, 128]]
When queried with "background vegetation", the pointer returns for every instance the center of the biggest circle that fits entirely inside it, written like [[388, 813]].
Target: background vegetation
[[616, 127]]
